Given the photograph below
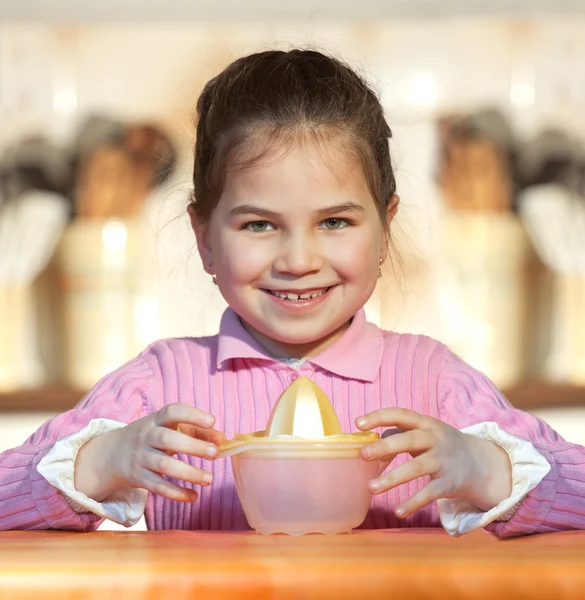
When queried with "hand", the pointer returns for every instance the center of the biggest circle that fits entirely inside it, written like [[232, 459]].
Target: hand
[[459, 465], [140, 454]]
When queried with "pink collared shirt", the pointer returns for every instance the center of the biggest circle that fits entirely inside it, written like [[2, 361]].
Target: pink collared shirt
[[232, 377]]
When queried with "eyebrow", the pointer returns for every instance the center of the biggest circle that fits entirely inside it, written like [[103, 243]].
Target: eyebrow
[[250, 209]]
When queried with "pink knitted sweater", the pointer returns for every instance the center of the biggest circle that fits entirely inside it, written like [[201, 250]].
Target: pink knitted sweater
[[232, 377]]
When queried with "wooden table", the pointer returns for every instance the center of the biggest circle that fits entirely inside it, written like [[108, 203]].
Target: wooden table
[[393, 564]]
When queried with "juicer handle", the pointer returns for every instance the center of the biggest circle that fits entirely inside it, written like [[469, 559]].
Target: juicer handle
[[231, 447]]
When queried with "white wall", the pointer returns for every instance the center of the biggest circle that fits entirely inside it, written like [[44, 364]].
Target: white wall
[[164, 10]]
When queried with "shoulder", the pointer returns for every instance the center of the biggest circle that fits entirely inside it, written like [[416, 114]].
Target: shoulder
[[415, 349], [180, 351], [436, 358], [179, 366]]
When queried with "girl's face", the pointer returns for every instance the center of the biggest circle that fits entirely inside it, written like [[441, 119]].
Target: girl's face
[[295, 246]]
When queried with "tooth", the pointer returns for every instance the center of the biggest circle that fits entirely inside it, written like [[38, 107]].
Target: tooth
[[296, 297]]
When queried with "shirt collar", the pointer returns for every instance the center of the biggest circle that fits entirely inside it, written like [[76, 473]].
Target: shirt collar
[[357, 354]]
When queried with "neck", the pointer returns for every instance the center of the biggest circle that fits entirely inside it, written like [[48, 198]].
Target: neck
[[283, 350]]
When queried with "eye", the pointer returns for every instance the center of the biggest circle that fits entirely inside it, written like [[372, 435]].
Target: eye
[[258, 226], [335, 223]]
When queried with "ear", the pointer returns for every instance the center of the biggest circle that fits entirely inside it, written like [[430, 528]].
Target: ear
[[392, 207], [391, 210], [202, 236]]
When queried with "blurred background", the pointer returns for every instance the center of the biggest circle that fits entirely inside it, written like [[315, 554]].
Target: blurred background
[[486, 103]]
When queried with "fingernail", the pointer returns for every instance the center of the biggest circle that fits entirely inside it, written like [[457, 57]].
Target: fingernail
[[374, 486], [208, 420], [361, 422], [367, 453], [207, 478], [211, 451], [400, 512]]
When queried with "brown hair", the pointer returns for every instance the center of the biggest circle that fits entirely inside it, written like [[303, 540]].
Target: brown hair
[[274, 97]]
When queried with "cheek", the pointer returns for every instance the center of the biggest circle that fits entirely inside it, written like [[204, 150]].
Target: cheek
[[358, 256], [242, 261]]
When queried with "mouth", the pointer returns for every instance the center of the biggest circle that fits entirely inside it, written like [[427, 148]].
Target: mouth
[[299, 295]]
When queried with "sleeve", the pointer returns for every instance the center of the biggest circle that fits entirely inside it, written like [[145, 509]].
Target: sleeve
[[125, 506], [27, 499], [466, 397], [529, 467]]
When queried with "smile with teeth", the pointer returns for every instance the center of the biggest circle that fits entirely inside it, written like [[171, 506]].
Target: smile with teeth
[[298, 297]]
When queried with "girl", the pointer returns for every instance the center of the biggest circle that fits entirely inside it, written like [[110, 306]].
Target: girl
[[294, 195]]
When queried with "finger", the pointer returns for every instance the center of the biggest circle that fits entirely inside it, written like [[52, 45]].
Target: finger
[[217, 437], [413, 442], [408, 471], [175, 442], [173, 415], [162, 463], [155, 483], [402, 418], [431, 492], [209, 435], [387, 460]]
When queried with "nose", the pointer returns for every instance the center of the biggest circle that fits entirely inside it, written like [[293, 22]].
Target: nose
[[299, 254]]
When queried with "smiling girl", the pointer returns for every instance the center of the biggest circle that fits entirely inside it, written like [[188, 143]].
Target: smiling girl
[[294, 197]]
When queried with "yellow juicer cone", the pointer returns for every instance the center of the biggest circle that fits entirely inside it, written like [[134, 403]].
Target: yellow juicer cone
[[303, 410], [302, 413]]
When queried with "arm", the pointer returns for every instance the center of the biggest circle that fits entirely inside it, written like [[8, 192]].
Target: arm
[[467, 397], [27, 499]]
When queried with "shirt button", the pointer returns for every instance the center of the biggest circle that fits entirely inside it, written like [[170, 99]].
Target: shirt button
[[293, 376]]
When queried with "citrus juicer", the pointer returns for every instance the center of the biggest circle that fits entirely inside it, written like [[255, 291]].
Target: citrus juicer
[[302, 474]]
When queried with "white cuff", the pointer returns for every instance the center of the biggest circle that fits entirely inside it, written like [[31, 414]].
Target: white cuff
[[529, 468], [125, 506]]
